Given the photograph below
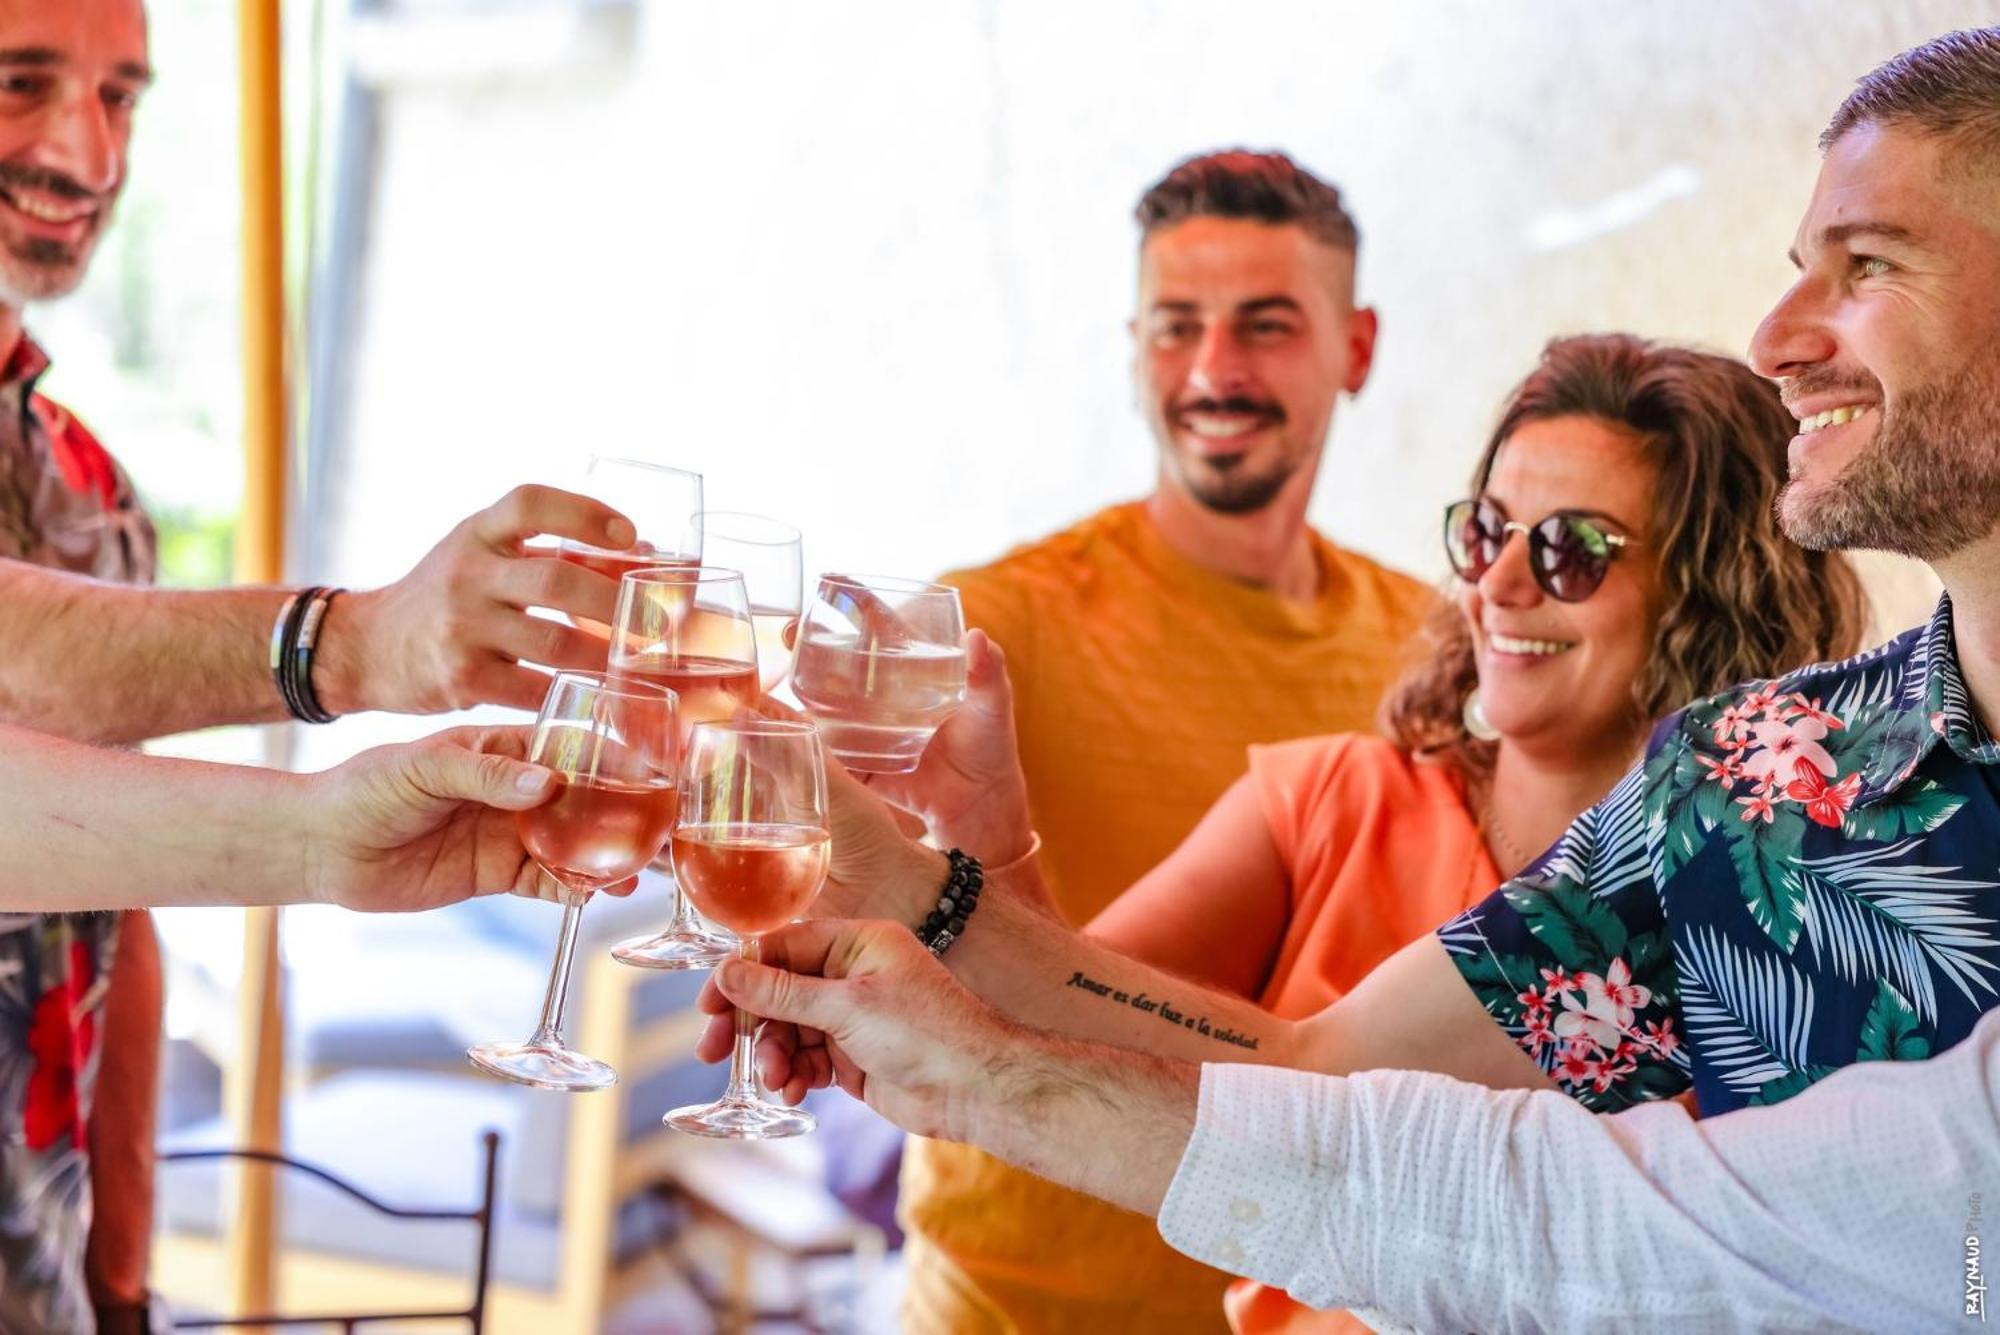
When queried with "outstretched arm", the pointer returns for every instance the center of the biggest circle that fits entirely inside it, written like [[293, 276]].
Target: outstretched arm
[[394, 829], [111, 663]]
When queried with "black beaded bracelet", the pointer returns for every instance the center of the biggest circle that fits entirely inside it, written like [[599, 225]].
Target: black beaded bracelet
[[956, 902]]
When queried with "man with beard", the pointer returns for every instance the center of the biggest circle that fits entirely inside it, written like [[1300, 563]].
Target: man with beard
[[1801, 875], [88, 657], [1149, 646]]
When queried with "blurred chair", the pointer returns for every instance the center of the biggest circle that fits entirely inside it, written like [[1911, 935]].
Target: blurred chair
[[481, 1215]]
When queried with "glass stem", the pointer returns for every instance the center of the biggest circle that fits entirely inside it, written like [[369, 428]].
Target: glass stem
[[556, 1001], [742, 1062], [684, 923]]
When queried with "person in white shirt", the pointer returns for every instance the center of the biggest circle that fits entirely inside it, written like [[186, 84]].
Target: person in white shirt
[[1424, 1201]]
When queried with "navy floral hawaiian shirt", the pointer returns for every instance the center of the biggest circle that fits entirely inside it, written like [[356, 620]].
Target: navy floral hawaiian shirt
[[1801, 874]]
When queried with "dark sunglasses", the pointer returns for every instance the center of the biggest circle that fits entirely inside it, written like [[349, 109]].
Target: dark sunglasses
[[1568, 552]]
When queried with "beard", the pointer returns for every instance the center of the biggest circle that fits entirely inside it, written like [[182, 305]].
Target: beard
[[37, 268], [1227, 484], [1926, 486], [40, 270]]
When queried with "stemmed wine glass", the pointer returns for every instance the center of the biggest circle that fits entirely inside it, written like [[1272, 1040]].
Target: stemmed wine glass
[[881, 664], [664, 505], [688, 630], [613, 747], [768, 554], [751, 848]]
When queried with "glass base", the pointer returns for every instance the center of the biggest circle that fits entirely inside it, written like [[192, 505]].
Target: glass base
[[543, 1065], [686, 948], [741, 1119]]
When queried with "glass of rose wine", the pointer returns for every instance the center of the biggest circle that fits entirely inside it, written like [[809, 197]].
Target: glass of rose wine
[[768, 554], [751, 849], [664, 505], [688, 630], [613, 747], [881, 663]]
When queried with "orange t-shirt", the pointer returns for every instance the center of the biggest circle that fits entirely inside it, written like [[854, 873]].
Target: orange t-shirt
[[1380, 849], [1139, 678]]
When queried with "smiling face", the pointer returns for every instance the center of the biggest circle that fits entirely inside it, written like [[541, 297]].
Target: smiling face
[[1246, 335], [70, 75], [1554, 674], [1888, 348]]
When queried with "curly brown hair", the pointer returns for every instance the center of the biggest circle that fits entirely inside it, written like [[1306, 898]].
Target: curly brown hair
[[1738, 600]]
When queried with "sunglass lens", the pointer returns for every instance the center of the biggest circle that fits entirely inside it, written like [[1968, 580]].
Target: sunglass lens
[[1571, 556]]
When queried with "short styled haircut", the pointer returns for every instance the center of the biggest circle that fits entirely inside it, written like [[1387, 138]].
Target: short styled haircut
[[1241, 183], [1948, 87]]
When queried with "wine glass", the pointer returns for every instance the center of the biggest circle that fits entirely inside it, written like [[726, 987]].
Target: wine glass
[[768, 554], [664, 505], [612, 746], [881, 664], [688, 630], [751, 848]]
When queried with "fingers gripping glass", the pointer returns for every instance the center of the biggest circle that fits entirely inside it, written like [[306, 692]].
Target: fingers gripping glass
[[1569, 552], [751, 849], [614, 748]]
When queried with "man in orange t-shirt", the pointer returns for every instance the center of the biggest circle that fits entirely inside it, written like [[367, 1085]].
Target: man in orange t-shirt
[[1148, 646]]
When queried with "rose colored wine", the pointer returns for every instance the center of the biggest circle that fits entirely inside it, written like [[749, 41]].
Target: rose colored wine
[[777, 631], [614, 566], [592, 834], [709, 688], [877, 704], [751, 878]]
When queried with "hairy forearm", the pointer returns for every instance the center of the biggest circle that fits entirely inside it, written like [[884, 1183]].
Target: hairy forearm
[[109, 663], [1097, 1119], [84, 828], [122, 1120]]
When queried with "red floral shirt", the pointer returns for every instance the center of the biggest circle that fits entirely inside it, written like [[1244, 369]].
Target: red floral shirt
[[66, 504]]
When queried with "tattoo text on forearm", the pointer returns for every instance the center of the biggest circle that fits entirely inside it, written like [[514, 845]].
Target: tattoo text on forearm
[[1196, 1024]]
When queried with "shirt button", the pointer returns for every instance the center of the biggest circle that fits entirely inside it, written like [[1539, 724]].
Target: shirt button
[[1230, 1254], [1244, 1211]]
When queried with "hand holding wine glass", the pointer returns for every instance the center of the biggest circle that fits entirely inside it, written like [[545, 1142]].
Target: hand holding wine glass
[[751, 847], [881, 664], [664, 505], [612, 747]]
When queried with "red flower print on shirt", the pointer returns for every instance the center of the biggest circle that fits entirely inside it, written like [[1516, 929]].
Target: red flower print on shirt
[[60, 1040], [1824, 804]]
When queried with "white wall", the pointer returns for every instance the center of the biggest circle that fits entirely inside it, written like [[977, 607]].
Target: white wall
[[868, 266]]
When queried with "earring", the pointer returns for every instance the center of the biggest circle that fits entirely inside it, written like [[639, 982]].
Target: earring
[[1474, 715]]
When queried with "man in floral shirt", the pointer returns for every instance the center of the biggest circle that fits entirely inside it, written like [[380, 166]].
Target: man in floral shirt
[[1805, 873]]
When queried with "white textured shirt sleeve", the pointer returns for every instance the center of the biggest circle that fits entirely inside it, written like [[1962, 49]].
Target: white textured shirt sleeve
[[1424, 1202]]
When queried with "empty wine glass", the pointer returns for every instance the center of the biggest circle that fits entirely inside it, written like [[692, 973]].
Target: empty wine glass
[[881, 663], [768, 554], [751, 849], [688, 630], [613, 747]]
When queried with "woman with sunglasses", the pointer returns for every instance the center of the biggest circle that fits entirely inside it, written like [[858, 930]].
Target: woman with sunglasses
[[1618, 557]]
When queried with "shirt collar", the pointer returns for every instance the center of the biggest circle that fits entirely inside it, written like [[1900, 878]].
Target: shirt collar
[[1931, 705], [25, 365]]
